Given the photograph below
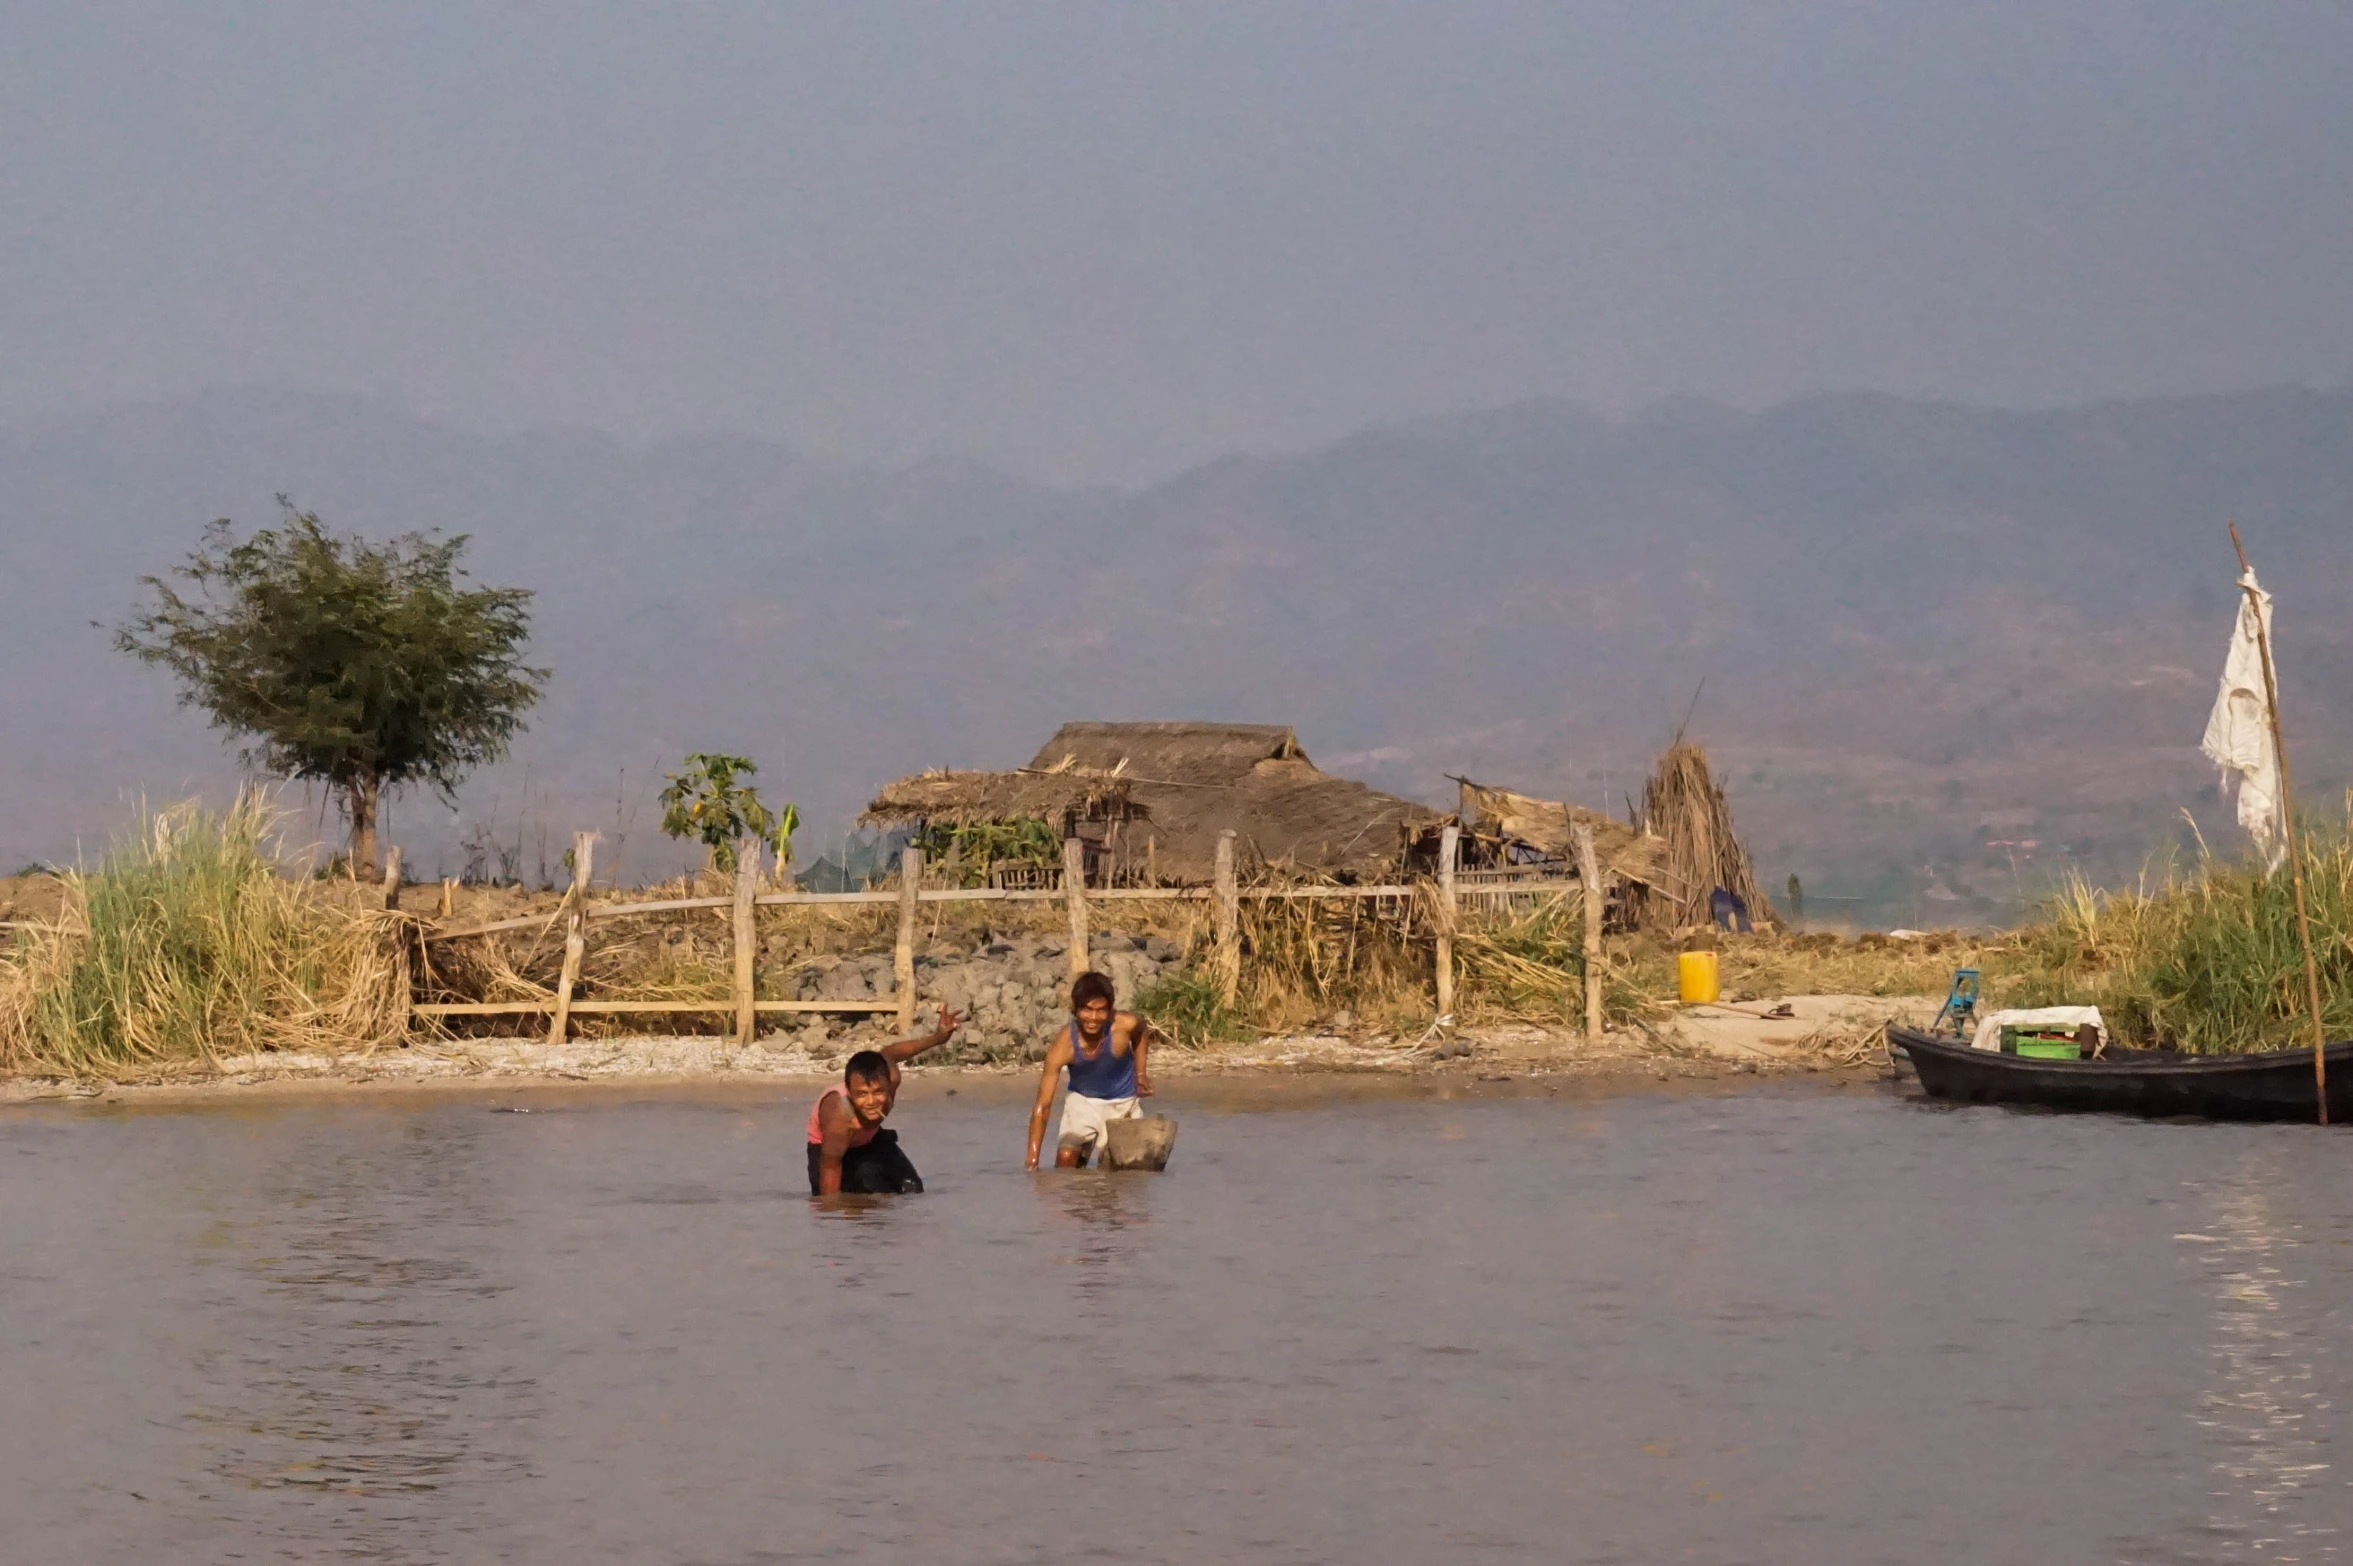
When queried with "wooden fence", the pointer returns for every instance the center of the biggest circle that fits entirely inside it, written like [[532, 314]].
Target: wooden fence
[[1225, 896]]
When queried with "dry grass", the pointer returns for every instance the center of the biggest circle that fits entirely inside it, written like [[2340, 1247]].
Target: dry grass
[[1531, 967], [186, 943], [189, 942], [2209, 960]]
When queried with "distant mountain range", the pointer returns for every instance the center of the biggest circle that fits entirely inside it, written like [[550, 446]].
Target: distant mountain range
[[1946, 651]]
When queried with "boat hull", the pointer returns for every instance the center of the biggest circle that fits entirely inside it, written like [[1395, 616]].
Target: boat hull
[[2275, 1086]]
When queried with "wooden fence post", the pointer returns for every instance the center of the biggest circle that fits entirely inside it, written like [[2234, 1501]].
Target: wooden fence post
[[1591, 894], [1226, 920], [747, 938], [392, 879], [575, 934], [903, 953], [1448, 840], [1074, 898]]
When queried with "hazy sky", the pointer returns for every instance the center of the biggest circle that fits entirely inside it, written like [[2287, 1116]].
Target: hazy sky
[[1101, 241]]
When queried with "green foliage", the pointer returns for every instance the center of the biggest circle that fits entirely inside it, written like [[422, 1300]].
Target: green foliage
[[977, 849], [710, 803], [1186, 1006], [2209, 961], [360, 665], [186, 943]]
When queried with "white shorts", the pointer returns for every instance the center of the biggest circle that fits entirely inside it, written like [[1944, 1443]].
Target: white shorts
[[1084, 1120]]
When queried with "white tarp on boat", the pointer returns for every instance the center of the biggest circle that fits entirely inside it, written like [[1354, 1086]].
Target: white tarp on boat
[[1989, 1026]]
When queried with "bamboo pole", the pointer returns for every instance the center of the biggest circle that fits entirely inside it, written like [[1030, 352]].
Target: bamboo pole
[[747, 887], [392, 879], [1226, 920], [1448, 841], [2287, 821], [575, 934], [903, 950], [1074, 898], [1589, 870]]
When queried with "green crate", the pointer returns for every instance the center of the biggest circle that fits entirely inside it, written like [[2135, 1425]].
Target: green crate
[[2049, 1049]]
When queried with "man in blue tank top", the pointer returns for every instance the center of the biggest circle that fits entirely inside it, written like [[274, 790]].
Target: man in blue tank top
[[1103, 1050]]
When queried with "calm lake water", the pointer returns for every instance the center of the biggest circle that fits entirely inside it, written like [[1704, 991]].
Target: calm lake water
[[1782, 1326]]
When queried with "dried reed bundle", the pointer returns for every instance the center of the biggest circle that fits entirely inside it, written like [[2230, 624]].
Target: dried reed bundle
[[1699, 851]]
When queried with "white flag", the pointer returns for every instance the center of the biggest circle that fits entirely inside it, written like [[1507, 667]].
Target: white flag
[[2238, 735]]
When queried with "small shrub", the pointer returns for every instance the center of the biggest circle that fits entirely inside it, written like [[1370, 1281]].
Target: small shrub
[[1189, 1010]]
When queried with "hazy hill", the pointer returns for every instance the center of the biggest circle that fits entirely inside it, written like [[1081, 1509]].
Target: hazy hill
[[1923, 628]]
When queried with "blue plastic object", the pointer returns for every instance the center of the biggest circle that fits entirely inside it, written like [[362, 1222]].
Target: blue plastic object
[[1960, 1005]]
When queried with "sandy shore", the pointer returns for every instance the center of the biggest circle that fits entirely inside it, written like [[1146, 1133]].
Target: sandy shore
[[1835, 1034]]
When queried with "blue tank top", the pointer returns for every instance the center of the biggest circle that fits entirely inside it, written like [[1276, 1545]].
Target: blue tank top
[[1108, 1074]]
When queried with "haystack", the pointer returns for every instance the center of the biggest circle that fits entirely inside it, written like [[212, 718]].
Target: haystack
[[1698, 848]]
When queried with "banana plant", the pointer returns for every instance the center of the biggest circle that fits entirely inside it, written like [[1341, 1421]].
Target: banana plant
[[712, 802]]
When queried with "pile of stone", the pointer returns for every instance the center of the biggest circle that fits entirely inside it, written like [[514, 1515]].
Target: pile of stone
[[1013, 991]]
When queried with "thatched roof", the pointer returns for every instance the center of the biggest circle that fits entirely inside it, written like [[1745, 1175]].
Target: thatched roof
[[1197, 753], [1548, 825], [1286, 816], [1200, 779], [970, 798], [1168, 790]]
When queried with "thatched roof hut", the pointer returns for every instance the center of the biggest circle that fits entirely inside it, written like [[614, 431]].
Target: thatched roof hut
[[1178, 786], [1199, 779], [1515, 827], [947, 798]]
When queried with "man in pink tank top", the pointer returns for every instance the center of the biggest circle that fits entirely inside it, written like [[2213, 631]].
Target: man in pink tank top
[[849, 1148]]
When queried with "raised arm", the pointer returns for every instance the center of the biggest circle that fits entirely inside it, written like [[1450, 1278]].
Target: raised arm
[[1057, 1056], [908, 1049]]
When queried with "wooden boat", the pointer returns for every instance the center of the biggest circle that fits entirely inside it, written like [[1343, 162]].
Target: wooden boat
[[2272, 1086]]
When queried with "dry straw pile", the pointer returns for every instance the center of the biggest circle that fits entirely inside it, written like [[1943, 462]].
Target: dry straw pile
[[1699, 849]]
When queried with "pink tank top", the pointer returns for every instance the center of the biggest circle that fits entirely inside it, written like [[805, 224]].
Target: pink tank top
[[859, 1135]]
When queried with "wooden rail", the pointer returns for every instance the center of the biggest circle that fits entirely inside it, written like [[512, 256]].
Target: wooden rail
[[1224, 895], [984, 894], [527, 1008]]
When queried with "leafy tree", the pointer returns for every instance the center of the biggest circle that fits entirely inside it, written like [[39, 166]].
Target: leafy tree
[[365, 666], [708, 803]]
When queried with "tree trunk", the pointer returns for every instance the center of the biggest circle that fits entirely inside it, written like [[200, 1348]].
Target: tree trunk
[[359, 803]]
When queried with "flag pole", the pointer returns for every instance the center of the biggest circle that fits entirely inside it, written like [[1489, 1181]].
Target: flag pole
[[2287, 819]]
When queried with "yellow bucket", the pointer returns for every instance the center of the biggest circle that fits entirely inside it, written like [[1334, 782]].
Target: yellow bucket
[[1696, 973]]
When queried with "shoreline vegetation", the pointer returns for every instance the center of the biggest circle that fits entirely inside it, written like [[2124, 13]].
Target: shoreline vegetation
[[196, 951]]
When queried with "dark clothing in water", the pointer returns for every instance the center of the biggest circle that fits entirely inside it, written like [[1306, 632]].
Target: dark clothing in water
[[880, 1168]]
